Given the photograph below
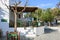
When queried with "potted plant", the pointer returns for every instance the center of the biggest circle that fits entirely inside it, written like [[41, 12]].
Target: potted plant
[[13, 36]]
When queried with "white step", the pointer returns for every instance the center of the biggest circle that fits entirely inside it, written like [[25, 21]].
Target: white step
[[30, 32], [31, 35]]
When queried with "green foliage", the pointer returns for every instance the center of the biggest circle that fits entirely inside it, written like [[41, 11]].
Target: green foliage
[[43, 15], [12, 35], [19, 23], [34, 14], [56, 11], [47, 16], [35, 24], [27, 15], [38, 13]]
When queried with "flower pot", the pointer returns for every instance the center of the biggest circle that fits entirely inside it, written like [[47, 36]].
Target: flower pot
[[13, 36]]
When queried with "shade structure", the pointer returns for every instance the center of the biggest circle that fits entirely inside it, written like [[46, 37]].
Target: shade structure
[[28, 9]]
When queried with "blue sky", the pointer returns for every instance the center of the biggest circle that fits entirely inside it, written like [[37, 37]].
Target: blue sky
[[40, 3]]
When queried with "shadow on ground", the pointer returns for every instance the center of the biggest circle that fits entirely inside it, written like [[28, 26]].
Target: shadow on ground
[[48, 30]]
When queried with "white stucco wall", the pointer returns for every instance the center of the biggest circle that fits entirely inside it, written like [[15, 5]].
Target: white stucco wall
[[4, 14]]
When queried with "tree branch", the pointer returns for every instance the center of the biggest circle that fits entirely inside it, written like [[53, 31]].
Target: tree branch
[[25, 5], [5, 4]]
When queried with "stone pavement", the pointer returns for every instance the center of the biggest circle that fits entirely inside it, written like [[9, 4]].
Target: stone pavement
[[49, 36], [21, 38]]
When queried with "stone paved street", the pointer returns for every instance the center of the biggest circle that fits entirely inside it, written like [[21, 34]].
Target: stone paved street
[[49, 36]]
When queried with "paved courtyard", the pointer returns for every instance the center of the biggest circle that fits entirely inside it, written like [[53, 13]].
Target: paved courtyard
[[49, 36]]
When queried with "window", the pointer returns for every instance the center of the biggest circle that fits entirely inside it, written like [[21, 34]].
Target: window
[[3, 20]]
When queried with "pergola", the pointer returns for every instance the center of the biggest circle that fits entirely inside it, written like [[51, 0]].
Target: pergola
[[28, 9]]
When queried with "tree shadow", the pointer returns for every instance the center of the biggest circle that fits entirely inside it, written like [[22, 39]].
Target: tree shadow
[[48, 30]]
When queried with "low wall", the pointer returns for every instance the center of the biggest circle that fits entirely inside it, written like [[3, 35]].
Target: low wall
[[28, 32]]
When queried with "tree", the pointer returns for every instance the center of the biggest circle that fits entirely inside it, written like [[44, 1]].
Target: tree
[[55, 11], [47, 16], [15, 11], [38, 13]]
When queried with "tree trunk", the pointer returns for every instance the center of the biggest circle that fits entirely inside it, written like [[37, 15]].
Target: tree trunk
[[22, 15], [49, 24], [15, 24]]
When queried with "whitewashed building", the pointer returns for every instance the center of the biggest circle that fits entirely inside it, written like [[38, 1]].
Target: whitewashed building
[[4, 23]]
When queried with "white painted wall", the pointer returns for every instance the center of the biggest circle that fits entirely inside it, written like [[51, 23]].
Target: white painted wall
[[4, 14], [39, 30]]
